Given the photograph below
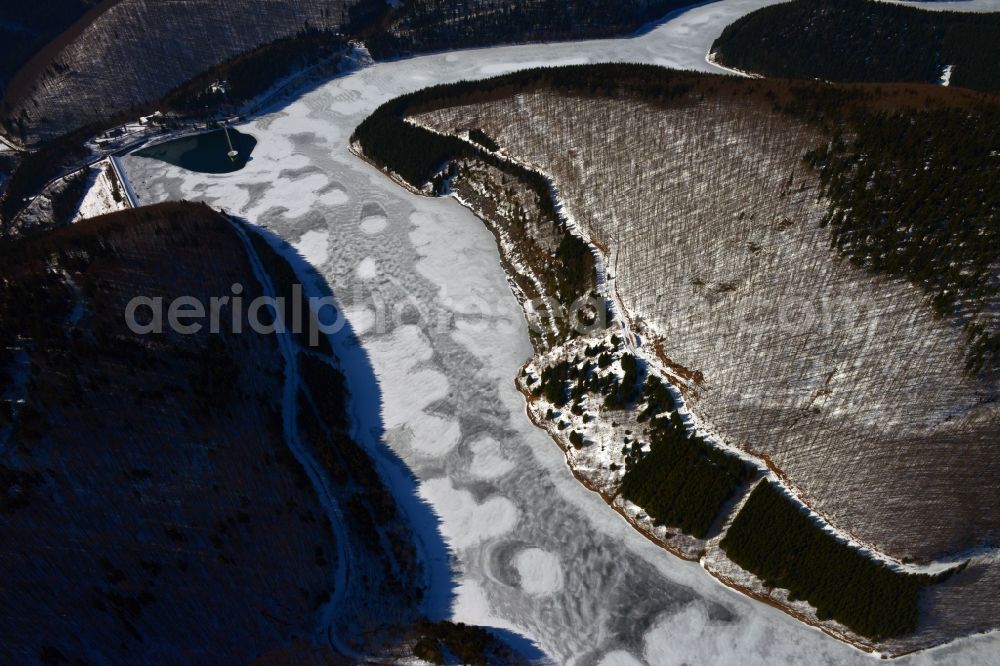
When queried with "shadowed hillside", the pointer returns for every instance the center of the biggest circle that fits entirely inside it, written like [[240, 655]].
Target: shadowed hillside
[[150, 498], [26, 27], [194, 497]]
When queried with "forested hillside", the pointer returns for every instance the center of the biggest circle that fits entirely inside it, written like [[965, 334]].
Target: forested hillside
[[915, 195], [143, 478], [705, 257], [865, 40], [160, 495], [137, 50], [134, 51], [796, 322], [27, 26], [433, 25]]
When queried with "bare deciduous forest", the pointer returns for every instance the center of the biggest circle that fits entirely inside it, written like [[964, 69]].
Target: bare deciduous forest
[[713, 203], [714, 220], [84, 80], [76, 79]]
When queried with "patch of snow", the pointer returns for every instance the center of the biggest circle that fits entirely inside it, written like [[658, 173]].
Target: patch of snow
[[367, 269], [473, 605], [400, 364], [362, 318], [465, 521], [373, 224], [619, 658], [313, 246], [946, 75], [487, 461], [99, 198], [701, 634], [539, 571]]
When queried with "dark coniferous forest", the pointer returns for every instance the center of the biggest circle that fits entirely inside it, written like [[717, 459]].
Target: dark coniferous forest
[[864, 41], [683, 482], [784, 547], [916, 195], [432, 25]]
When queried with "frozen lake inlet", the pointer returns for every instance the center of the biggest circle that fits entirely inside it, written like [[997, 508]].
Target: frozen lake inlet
[[422, 286]]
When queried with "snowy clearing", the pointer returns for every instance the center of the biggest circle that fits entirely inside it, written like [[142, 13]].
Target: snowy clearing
[[103, 193]]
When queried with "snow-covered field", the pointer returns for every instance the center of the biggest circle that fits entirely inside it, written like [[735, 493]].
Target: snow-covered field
[[421, 283], [100, 198]]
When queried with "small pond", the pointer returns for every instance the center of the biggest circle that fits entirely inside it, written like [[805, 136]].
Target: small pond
[[204, 153]]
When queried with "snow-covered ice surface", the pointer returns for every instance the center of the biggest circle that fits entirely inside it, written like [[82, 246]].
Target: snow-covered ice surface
[[535, 551], [312, 247]]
